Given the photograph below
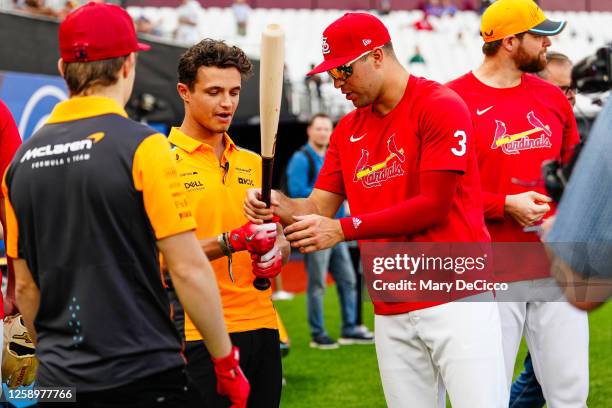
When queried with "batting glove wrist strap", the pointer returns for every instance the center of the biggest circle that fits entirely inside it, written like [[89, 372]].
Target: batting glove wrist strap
[[255, 238]]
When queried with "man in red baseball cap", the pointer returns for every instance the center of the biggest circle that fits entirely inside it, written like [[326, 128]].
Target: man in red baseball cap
[[91, 199], [409, 174]]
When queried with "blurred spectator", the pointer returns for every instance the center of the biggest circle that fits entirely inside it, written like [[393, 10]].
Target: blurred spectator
[[448, 7], [484, 4], [241, 10], [69, 6], [417, 58], [287, 87], [145, 26], [468, 5], [558, 71], [302, 171], [188, 13], [38, 7], [315, 80], [434, 8], [423, 24], [384, 7]]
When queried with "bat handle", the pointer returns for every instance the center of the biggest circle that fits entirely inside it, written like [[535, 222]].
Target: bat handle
[[262, 283], [266, 191], [267, 166]]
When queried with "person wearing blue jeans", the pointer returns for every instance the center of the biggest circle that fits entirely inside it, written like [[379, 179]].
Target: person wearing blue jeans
[[526, 391], [301, 174]]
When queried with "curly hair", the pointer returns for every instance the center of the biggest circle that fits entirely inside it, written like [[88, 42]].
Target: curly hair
[[212, 53]]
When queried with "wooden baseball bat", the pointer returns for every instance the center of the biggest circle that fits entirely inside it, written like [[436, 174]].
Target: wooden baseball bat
[[271, 66]]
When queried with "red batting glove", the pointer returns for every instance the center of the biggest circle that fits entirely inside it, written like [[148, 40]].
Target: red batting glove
[[268, 265], [257, 239], [231, 380]]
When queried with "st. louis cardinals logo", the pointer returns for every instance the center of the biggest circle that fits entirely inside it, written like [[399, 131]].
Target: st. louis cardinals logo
[[374, 175], [325, 46], [513, 144]]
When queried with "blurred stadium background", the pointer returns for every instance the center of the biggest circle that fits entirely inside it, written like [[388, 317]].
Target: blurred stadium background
[[449, 45], [450, 48]]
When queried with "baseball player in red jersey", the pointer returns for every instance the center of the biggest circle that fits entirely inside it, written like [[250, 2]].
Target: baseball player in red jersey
[[9, 143], [396, 158], [520, 121]]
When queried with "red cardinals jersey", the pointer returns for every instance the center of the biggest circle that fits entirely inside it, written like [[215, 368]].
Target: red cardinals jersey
[[376, 162], [515, 130], [9, 138], [9, 143]]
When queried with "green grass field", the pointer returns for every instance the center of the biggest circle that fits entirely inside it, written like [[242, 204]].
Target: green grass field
[[348, 377]]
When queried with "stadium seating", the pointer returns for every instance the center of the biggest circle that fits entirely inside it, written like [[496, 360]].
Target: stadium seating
[[452, 49]]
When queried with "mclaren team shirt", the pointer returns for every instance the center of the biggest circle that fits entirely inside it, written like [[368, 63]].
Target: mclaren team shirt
[[87, 197], [216, 191]]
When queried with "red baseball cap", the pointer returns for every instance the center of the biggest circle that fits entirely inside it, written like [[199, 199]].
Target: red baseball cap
[[98, 31], [348, 37]]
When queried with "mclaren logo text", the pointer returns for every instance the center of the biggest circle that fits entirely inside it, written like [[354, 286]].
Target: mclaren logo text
[[63, 148]]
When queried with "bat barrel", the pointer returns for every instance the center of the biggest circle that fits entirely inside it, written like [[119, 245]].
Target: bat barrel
[[270, 94]]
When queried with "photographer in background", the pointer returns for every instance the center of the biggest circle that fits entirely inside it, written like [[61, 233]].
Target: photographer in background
[[558, 72], [581, 237]]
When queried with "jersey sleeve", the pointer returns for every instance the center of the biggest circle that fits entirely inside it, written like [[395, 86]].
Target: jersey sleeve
[[9, 138], [330, 177], [446, 132], [155, 175], [12, 231], [493, 205]]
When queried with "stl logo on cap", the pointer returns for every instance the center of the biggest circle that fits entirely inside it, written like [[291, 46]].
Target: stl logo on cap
[[325, 46]]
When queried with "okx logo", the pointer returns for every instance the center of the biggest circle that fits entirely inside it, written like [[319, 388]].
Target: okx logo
[[248, 182]]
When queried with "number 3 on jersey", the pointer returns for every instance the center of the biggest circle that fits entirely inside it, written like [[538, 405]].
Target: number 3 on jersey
[[460, 151]]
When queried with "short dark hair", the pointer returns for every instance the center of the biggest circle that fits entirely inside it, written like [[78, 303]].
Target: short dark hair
[[388, 49], [80, 77], [212, 53], [553, 57], [491, 48], [316, 116]]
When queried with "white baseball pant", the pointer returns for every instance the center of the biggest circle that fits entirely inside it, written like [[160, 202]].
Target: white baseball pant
[[557, 336], [455, 347]]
